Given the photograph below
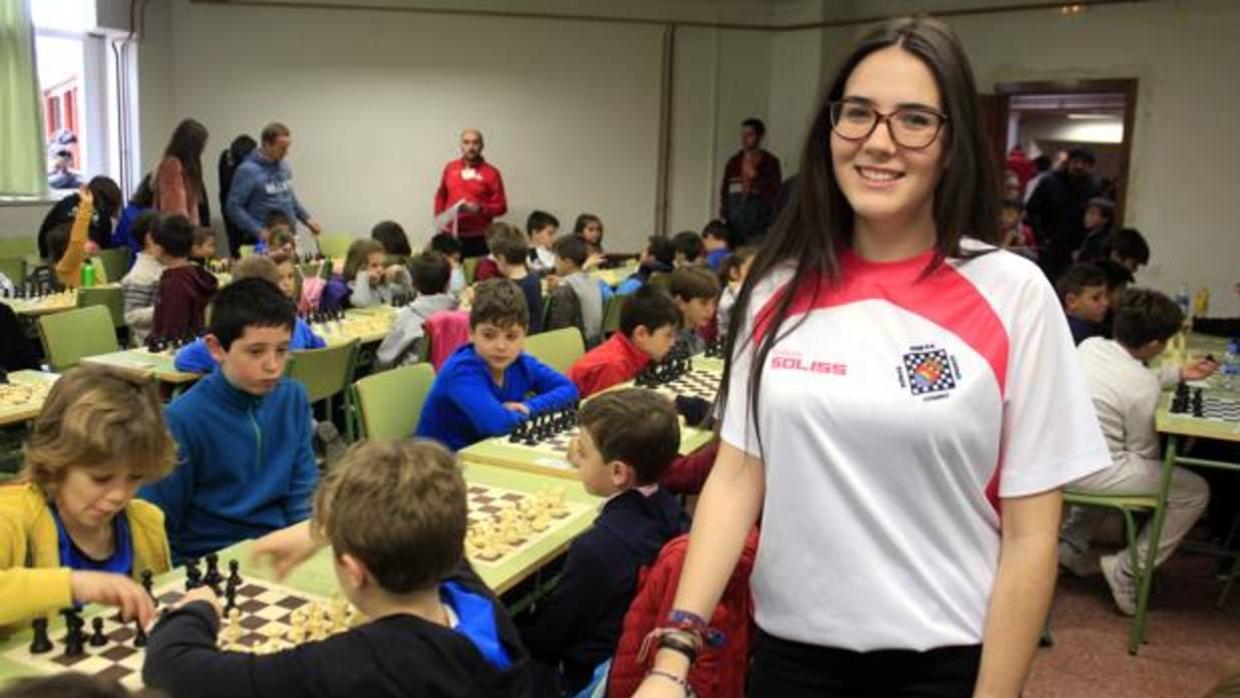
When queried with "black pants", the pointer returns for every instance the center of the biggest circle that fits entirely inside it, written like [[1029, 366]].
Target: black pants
[[474, 246], [785, 669]]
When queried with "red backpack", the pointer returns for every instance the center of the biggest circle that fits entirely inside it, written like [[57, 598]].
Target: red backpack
[[719, 671]]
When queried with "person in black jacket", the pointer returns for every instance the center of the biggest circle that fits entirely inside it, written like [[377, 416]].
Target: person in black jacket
[[1056, 212], [395, 515], [16, 349], [230, 159], [107, 203], [627, 440]]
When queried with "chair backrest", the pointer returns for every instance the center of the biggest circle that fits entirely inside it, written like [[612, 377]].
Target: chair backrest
[[70, 336], [14, 268], [109, 297], [335, 245], [611, 314], [115, 262], [559, 349], [662, 279], [389, 403], [325, 372]]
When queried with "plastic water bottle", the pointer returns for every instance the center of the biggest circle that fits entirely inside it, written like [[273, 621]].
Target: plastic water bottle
[[1231, 363], [1182, 299], [88, 274]]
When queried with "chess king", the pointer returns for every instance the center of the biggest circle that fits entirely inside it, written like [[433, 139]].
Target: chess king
[[73, 533]]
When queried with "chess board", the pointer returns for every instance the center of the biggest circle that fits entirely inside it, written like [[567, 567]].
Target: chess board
[[266, 609], [368, 327], [486, 507], [63, 300], [22, 395], [1216, 409], [698, 382]]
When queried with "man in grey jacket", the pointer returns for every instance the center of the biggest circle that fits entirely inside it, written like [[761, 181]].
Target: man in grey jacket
[[264, 183]]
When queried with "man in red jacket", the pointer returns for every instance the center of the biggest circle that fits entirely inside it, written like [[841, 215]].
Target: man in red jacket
[[751, 182], [479, 189]]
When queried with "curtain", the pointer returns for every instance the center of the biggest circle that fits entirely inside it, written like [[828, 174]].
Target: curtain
[[22, 162]]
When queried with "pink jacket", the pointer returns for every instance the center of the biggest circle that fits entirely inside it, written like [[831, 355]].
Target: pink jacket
[[446, 331], [174, 193]]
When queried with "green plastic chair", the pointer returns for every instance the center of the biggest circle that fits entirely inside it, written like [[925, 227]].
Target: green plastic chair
[[611, 314], [326, 373], [70, 336], [388, 405], [1128, 506], [14, 268], [559, 349], [470, 265], [114, 261], [335, 245], [109, 297], [246, 250]]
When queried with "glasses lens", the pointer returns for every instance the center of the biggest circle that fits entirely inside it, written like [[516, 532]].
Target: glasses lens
[[852, 121], [915, 128]]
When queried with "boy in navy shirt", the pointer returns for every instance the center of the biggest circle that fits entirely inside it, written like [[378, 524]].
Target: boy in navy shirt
[[489, 386], [627, 440], [1083, 290], [244, 433]]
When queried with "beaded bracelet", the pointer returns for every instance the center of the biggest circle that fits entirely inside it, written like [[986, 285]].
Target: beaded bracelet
[[693, 623], [683, 683]]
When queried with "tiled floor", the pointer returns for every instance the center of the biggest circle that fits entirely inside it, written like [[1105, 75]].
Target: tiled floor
[[1190, 642]]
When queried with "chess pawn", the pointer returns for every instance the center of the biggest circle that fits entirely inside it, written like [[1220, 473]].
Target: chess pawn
[[97, 638]]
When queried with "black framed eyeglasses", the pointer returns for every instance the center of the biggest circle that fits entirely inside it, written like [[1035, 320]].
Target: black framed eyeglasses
[[914, 128]]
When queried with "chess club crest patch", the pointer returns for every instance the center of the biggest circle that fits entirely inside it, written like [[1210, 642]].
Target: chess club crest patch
[[929, 371]]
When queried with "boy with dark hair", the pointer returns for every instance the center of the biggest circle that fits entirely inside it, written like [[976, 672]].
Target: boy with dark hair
[[576, 300], [185, 289], [1126, 395], [695, 291], [715, 243], [395, 515], [688, 246], [510, 253], [649, 322], [392, 236], [542, 228], [203, 249], [431, 276], [104, 205], [1014, 233], [247, 425], [1083, 293], [489, 386], [1129, 249], [447, 245], [140, 284], [488, 266], [626, 442], [659, 257], [1098, 221]]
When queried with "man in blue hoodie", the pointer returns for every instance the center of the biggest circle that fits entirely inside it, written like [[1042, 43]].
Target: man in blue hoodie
[[244, 433], [264, 183]]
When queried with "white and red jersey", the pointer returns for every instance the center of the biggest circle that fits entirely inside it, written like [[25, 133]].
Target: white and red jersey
[[894, 418]]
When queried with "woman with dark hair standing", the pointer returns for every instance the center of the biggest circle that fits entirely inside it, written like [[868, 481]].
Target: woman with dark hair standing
[[178, 179], [902, 406]]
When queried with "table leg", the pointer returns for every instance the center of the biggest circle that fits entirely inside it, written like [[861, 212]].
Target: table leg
[[1146, 579]]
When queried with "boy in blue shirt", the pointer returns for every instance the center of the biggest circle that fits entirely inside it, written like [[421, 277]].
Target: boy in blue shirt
[[245, 457], [1083, 290], [489, 386]]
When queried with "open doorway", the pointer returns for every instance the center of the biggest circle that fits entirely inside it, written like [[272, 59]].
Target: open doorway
[[1049, 118]]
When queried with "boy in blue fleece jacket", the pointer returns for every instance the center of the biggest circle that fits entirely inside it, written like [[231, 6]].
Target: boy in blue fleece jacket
[[279, 269], [488, 387], [245, 457]]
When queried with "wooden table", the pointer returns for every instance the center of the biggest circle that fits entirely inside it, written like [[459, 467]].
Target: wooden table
[[1177, 428], [143, 363], [24, 398], [551, 458], [317, 577]]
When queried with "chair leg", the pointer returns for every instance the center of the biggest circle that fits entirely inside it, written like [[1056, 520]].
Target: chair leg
[[1140, 620], [1235, 563]]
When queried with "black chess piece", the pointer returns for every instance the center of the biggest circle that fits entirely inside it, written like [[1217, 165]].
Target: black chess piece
[[518, 433], [97, 638], [213, 577], [531, 439], [75, 641], [234, 573], [193, 577], [230, 594], [139, 638], [41, 642], [1198, 404], [148, 580]]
